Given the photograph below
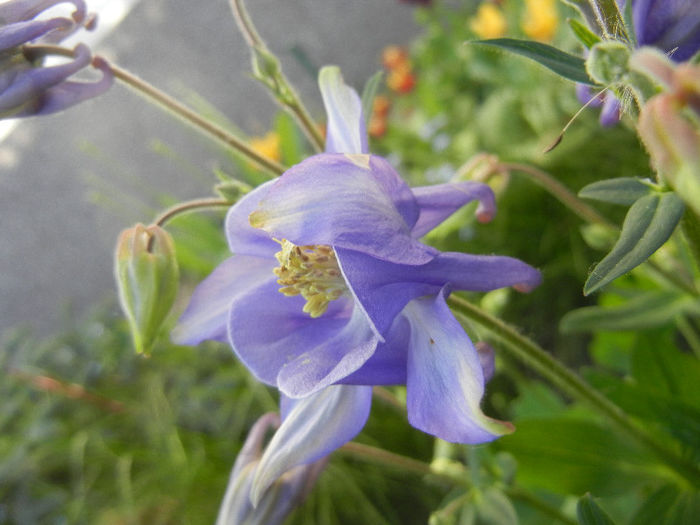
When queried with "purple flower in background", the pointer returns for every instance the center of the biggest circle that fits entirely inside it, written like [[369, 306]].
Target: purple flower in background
[[28, 88], [670, 25], [330, 291]]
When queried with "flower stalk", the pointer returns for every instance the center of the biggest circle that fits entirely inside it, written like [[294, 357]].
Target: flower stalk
[[536, 358], [267, 69], [188, 206]]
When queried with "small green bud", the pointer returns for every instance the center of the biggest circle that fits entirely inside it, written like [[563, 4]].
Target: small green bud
[[232, 190], [607, 63], [147, 279]]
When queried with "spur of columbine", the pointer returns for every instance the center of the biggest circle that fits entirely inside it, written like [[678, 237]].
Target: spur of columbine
[[329, 286]]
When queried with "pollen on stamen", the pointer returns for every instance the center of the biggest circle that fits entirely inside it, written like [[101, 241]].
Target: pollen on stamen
[[311, 271]]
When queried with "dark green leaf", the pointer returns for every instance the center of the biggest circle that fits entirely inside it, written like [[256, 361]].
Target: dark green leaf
[[669, 506], [646, 311], [564, 64], [624, 190], [589, 513], [587, 37], [609, 18], [583, 7], [649, 223], [368, 94]]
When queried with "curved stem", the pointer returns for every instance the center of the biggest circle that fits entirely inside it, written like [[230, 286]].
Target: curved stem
[[533, 356], [290, 101], [188, 206]]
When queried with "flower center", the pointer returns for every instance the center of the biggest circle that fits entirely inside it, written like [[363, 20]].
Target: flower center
[[311, 271]]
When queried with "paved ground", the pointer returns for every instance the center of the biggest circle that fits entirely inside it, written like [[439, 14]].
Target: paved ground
[[55, 242]]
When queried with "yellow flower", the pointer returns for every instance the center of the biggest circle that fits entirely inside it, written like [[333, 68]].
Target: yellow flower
[[267, 146], [541, 19], [489, 21]]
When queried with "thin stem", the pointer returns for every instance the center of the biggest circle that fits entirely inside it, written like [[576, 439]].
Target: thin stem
[[188, 206], [386, 458], [561, 192], [167, 102], [533, 356], [291, 100]]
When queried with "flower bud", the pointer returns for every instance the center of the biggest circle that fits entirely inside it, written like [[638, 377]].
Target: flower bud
[[147, 278], [607, 62]]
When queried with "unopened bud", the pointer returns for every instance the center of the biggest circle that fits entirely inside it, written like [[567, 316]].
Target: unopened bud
[[607, 62], [147, 278], [232, 190]]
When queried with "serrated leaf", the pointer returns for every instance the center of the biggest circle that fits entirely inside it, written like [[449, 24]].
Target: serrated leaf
[[623, 190], [645, 311], [589, 513], [563, 64], [368, 94], [587, 37], [649, 223]]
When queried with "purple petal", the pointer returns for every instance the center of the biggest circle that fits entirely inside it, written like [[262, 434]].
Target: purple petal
[[242, 237], [253, 446], [22, 10], [487, 358], [345, 132], [585, 95], [283, 346], [610, 114], [29, 84], [445, 381], [387, 366], [68, 94], [384, 288], [438, 202], [671, 25], [317, 425], [207, 313], [22, 32], [354, 202]]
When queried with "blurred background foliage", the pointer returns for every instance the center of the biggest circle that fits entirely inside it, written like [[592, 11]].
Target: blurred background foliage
[[92, 433]]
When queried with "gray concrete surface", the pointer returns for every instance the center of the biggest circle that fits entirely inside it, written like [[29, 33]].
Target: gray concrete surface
[[55, 241]]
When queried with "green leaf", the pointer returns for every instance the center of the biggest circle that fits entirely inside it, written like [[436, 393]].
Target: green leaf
[[609, 18], [368, 94], [587, 37], [624, 190], [291, 148], [643, 312], [649, 223], [669, 506], [584, 8], [589, 513], [494, 508], [564, 64]]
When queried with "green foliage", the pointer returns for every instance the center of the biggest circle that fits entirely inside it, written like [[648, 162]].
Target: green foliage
[[589, 513]]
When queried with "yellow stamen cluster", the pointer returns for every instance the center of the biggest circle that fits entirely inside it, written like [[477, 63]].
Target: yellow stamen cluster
[[311, 271]]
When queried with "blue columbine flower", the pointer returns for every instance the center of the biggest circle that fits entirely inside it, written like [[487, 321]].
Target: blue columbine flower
[[670, 25], [330, 291], [28, 88]]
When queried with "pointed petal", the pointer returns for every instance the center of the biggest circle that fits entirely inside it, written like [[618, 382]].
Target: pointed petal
[[206, 315], [345, 132], [317, 425], [438, 202], [445, 381], [242, 237], [344, 201], [330, 361], [383, 288], [268, 330]]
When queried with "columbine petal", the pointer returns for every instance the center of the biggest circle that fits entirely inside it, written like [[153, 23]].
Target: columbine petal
[[207, 313], [22, 32], [383, 288], [344, 201], [445, 381], [293, 351], [345, 131], [242, 237], [317, 425], [438, 202]]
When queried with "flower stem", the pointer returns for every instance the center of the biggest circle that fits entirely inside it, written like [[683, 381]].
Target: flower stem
[[188, 206], [386, 458], [282, 90], [195, 119], [533, 356]]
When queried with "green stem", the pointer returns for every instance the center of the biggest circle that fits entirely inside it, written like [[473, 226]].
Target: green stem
[[533, 356], [291, 100], [561, 192], [386, 458], [195, 119], [188, 206]]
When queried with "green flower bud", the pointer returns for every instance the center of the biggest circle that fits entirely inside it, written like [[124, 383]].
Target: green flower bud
[[147, 278], [607, 62]]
